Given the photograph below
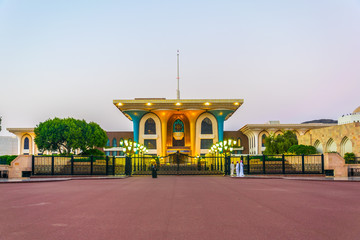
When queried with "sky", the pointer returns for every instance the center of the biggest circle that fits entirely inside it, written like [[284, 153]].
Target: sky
[[291, 61]]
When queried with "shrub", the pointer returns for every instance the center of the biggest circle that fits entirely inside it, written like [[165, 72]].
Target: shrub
[[92, 152], [7, 159], [349, 157], [302, 149]]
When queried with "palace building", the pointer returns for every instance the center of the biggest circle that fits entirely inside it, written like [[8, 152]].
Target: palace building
[[190, 126]]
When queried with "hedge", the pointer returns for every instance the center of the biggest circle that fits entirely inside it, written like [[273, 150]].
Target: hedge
[[7, 159], [349, 157]]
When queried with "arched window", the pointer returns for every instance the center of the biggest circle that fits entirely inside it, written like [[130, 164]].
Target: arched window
[[239, 142], [150, 127], [26, 143], [114, 142], [206, 143], [345, 146], [178, 126], [108, 143], [318, 146], [331, 146], [206, 126], [178, 134], [263, 137]]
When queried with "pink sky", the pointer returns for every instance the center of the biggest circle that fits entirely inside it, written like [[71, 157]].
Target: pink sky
[[291, 61]]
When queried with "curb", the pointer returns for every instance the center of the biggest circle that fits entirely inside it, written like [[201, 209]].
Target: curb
[[39, 180], [301, 179]]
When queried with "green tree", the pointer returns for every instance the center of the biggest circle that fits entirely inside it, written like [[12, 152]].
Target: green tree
[[66, 135], [281, 143], [92, 136]]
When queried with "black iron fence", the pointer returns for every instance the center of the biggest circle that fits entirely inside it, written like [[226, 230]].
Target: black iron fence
[[353, 172], [176, 164], [78, 165], [281, 164]]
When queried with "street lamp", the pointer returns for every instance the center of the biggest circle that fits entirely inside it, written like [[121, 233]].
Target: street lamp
[[131, 148], [224, 147]]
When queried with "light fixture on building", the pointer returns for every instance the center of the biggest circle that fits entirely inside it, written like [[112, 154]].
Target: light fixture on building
[[178, 104], [149, 104], [120, 104], [207, 104], [236, 103]]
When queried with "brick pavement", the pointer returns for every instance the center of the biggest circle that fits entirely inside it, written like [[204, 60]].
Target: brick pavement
[[180, 207]]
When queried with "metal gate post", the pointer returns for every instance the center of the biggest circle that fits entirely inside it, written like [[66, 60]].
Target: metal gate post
[[221, 164], [52, 165], [322, 163], [107, 165], [227, 164], [72, 165], [263, 158], [91, 165], [130, 170], [128, 166], [218, 162], [302, 163], [32, 165], [142, 163], [283, 163], [178, 161], [138, 163], [113, 170], [248, 166]]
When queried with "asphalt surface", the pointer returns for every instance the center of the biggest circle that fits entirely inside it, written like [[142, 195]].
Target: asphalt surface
[[180, 207]]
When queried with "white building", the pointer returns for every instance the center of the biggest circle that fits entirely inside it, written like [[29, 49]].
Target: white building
[[350, 118], [257, 133]]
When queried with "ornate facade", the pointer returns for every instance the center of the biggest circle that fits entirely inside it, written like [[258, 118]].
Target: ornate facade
[[189, 126]]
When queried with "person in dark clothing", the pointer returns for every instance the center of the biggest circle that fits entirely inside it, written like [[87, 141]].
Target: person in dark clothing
[[154, 171]]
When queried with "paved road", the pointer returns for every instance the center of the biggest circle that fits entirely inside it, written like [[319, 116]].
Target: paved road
[[180, 207]]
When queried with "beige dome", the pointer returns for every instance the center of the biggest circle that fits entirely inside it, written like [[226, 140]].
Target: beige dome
[[357, 110]]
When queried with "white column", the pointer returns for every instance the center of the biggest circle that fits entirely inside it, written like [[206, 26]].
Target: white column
[[256, 139], [252, 142], [19, 144]]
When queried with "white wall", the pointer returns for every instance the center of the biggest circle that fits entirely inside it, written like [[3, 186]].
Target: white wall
[[8, 145]]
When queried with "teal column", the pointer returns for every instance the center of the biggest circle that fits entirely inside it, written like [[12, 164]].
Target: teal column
[[220, 117], [136, 116]]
